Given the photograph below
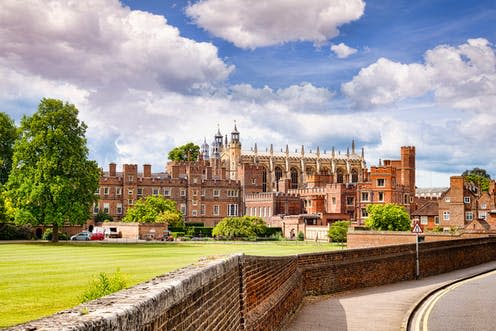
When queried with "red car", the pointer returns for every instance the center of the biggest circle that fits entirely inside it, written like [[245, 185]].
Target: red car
[[97, 236]]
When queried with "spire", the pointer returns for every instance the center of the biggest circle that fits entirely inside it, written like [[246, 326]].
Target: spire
[[333, 152], [255, 149], [271, 149], [318, 151], [218, 137], [302, 150], [380, 163], [204, 149], [235, 134], [363, 153], [353, 146], [347, 151], [287, 149]]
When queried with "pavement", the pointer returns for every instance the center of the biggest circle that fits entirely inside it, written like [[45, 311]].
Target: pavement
[[380, 308]]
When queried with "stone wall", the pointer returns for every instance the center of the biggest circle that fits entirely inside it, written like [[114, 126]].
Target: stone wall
[[260, 293]]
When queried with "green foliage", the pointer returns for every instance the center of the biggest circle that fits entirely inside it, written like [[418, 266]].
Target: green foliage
[[478, 177], [338, 231], [200, 231], [154, 209], [239, 227], [48, 235], [387, 217], [8, 135], [102, 217], [188, 152], [104, 285], [272, 231], [10, 231], [176, 235], [300, 236], [437, 228], [52, 182]]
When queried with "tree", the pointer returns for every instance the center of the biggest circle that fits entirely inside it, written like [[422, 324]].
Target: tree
[[338, 231], [387, 217], [154, 209], [52, 182], [188, 152], [478, 177], [240, 227], [8, 135]]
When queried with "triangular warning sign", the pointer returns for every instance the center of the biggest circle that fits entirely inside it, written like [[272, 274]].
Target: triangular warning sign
[[416, 228]]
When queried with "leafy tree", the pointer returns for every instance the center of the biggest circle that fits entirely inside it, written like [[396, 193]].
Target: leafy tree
[[239, 227], [188, 152], [154, 209], [387, 217], [478, 177], [8, 135], [52, 182], [338, 231], [102, 217]]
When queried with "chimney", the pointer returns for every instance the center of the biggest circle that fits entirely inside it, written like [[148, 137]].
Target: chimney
[[112, 171], [147, 170]]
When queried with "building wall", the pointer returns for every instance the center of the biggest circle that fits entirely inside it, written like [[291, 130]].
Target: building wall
[[260, 293]]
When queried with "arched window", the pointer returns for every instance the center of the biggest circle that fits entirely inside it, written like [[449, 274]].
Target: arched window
[[340, 176], [354, 176], [264, 180], [278, 173], [294, 178], [324, 171], [309, 171]]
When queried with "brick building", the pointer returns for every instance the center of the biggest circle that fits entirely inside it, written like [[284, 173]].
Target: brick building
[[201, 190]]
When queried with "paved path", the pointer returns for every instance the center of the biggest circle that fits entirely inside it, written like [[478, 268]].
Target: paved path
[[378, 308]]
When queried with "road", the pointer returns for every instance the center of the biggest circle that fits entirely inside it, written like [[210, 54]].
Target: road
[[465, 305]]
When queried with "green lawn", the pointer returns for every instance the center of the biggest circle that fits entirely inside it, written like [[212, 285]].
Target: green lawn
[[38, 279]]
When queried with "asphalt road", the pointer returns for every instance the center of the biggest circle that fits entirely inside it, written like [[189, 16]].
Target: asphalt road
[[466, 305]]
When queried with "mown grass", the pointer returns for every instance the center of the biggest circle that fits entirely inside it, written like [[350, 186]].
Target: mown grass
[[39, 279]]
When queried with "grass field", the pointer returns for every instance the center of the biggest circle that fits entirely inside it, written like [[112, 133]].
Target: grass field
[[38, 279]]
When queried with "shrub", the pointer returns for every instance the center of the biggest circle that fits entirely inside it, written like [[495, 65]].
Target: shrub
[[10, 231], [338, 231], [240, 227], [176, 235], [270, 232], [437, 228], [47, 235], [104, 284], [301, 236], [102, 217]]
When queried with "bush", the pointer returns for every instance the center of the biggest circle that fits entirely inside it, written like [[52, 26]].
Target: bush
[[271, 232], [437, 228], [240, 227], [102, 217], [176, 235], [338, 231], [47, 235], [198, 231], [301, 236], [176, 229], [10, 231], [104, 285]]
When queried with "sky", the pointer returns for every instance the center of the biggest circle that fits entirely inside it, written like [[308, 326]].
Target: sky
[[150, 75]]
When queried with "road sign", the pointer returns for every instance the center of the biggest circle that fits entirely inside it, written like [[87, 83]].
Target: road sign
[[416, 227]]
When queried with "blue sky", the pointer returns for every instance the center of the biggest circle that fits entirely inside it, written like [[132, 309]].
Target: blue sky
[[149, 75]]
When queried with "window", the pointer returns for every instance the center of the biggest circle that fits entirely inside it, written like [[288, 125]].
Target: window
[[195, 180], [349, 201], [380, 182], [118, 191], [232, 193], [167, 191], [482, 214], [202, 209], [446, 215], [194, 212], [436, 220], [423, 220], [466, 199], [119, 209], [483, 206], [95, 209], [333, 200], [106, 191], [447, 199], [203, 192], [155, 191], [97, 191], [405, 199], [216, 193], [195, 193], [381, 196], [140, 191], [216, 210], [469, 216], [106, 208], [365, 196], [232, 210], [264, 211], [129, 192], [182, 208], [294, 178], [254, 181], [130, 178], [194, 202], [130, 202], [364, 213], [182, 192]]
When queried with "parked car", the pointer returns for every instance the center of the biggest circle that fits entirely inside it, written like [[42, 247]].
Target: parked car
[[97, 236], [85, 235]]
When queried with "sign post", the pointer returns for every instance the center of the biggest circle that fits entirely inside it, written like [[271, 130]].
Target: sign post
[[417, 229]]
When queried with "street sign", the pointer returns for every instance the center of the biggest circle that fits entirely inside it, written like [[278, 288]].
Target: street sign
[[416, 227]]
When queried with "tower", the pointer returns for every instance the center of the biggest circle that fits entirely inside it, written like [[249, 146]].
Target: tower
[[234, 153], [204, 150], [217, 144], [407, 167]]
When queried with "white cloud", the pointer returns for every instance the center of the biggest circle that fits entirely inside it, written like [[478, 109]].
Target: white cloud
[[254, 23], [462, 77], [100, 43], [343, 51]]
